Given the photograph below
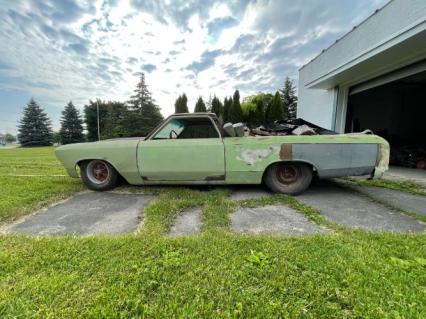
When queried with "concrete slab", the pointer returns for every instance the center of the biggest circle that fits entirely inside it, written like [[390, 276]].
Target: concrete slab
[[187, 223], [401, 200], [273, 219], [88, 213], [406, 174], [348, 208], [249, 192]]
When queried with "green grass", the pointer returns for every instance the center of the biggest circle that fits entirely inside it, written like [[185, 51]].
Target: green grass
[[403, 186], [344, 274], [31, 178], [214, 275]]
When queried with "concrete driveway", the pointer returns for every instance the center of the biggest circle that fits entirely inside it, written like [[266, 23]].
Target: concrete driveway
[[115, 213], [86, 214]]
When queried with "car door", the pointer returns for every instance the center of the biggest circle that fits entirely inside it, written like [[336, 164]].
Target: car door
[[183, 149]]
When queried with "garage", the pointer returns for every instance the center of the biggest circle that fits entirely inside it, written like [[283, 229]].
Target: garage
[[394, 107], [374, 77]]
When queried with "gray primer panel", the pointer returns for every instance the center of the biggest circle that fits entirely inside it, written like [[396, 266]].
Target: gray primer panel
[[338, 159]]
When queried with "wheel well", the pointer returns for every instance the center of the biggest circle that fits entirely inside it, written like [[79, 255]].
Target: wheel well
[[314, 169], [92, 159]]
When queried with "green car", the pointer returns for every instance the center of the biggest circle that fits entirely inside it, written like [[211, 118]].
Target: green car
[[195, 149]]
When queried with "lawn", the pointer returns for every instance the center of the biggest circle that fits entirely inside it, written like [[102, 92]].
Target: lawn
[[345, 274]]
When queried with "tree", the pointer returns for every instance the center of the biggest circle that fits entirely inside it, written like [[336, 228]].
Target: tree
[[91, 119], [276, 110], [235, 113], [181, 104], [227, 104], [56, 138], [35, 128], [115, 120], [253, 109], [200, 106], [9, 138], [289, 98], [217, 106], [118, 121], [71, 125], [143, 115]]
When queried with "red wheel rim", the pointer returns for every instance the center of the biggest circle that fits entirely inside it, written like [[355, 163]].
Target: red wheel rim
[[100, 171]]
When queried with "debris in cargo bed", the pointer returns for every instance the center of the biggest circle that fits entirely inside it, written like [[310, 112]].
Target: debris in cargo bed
[[290, 127]]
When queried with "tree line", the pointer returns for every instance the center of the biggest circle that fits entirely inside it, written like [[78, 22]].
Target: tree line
[[254, 110], [136, 117], [140, 115]]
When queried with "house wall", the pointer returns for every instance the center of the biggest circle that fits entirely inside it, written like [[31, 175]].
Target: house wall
[[319, 100], [316, 106]]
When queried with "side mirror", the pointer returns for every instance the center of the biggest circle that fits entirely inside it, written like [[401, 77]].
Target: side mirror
[[173, 135]]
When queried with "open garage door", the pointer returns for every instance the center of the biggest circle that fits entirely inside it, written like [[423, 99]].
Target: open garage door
[[394, 108]]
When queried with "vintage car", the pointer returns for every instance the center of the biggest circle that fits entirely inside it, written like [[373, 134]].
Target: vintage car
[[196, 149]]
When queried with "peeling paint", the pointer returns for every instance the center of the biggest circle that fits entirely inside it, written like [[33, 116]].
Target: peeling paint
[[253, 156]]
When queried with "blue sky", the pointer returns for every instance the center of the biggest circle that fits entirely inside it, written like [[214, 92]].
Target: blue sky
[[61, 50]]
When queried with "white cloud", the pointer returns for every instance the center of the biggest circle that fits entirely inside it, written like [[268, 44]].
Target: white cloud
[[59, 51]]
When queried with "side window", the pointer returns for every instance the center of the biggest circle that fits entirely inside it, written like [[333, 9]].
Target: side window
[[174, 126], [186, 128], [199, 128]]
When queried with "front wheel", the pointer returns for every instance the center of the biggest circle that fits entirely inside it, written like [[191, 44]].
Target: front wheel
[[98, 175], [288, 177]]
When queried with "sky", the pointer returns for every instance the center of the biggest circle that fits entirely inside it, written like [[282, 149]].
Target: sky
[[57, 51]]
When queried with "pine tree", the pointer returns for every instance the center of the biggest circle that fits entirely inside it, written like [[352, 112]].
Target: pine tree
[[184, 106], [178, 103], [236, 113], [200, 106], [142, 97], [181, 104], [144, 115], [289, 98], [71, 125], [217, 106], [35, 128], [227, 104], [276, 110]]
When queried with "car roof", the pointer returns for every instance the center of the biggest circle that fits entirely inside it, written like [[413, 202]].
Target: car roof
[[195, 114]]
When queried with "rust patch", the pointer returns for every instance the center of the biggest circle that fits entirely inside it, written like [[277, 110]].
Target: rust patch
[[286, 152]]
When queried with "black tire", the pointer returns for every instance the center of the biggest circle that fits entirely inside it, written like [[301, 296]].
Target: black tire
[[288, 177], [98, 175]]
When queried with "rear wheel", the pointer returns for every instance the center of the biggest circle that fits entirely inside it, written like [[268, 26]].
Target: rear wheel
[[99, 175], [288, 177]]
